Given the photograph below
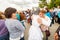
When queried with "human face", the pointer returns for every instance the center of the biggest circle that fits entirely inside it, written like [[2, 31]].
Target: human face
[[14, 15], [41, 14]]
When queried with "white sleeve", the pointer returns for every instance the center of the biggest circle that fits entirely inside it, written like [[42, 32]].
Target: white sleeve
[[46, 22]]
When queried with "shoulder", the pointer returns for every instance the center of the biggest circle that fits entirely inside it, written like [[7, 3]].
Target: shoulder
[[2, 21], [16, 21], [47, 17], [12, 20]]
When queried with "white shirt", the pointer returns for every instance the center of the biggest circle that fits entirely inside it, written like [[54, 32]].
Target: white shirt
[[35, 32]]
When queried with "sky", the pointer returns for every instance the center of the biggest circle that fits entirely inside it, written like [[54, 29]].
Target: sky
[[18, 4]]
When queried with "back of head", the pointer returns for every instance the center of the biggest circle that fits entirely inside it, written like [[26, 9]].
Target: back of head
[[9, 11], [42, 10], [22, 16], [37, 11], [2, 16]]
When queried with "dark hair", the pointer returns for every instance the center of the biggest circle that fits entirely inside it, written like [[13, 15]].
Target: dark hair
[[9, 11], [47, 9]]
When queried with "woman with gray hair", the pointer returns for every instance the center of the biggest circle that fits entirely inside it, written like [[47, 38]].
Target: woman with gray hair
[[35, 32]]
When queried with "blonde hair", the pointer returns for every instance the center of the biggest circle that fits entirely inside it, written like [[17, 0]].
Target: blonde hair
[[1, 15], [42, 10]]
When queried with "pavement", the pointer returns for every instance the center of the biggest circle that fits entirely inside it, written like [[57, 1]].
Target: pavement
[[53, 29]]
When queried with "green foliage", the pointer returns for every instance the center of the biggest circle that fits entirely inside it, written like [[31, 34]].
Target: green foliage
[[44, 3], [53, 3], [57, 2]]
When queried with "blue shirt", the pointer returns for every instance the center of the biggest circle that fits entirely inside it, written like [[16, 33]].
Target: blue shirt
[[18, 16], [59, 14], [48, 14]]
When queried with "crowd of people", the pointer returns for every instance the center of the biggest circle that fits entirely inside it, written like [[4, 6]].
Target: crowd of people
[[12, 23]]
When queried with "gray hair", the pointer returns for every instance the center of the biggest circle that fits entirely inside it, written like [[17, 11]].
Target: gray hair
[[37, 11]]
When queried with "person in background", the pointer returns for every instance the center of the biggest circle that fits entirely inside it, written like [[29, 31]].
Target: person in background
[[48, 14], [46, 21], [56, 10], [52, 15], [57, 33], [4, 34], [58, 17], [35, 31], [22, 18], [28, 15], [15, 28], [18, 16]]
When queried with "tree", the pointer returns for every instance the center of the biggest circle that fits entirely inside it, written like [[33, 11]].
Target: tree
[[44, 3], [57, 2], [53, 3]]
